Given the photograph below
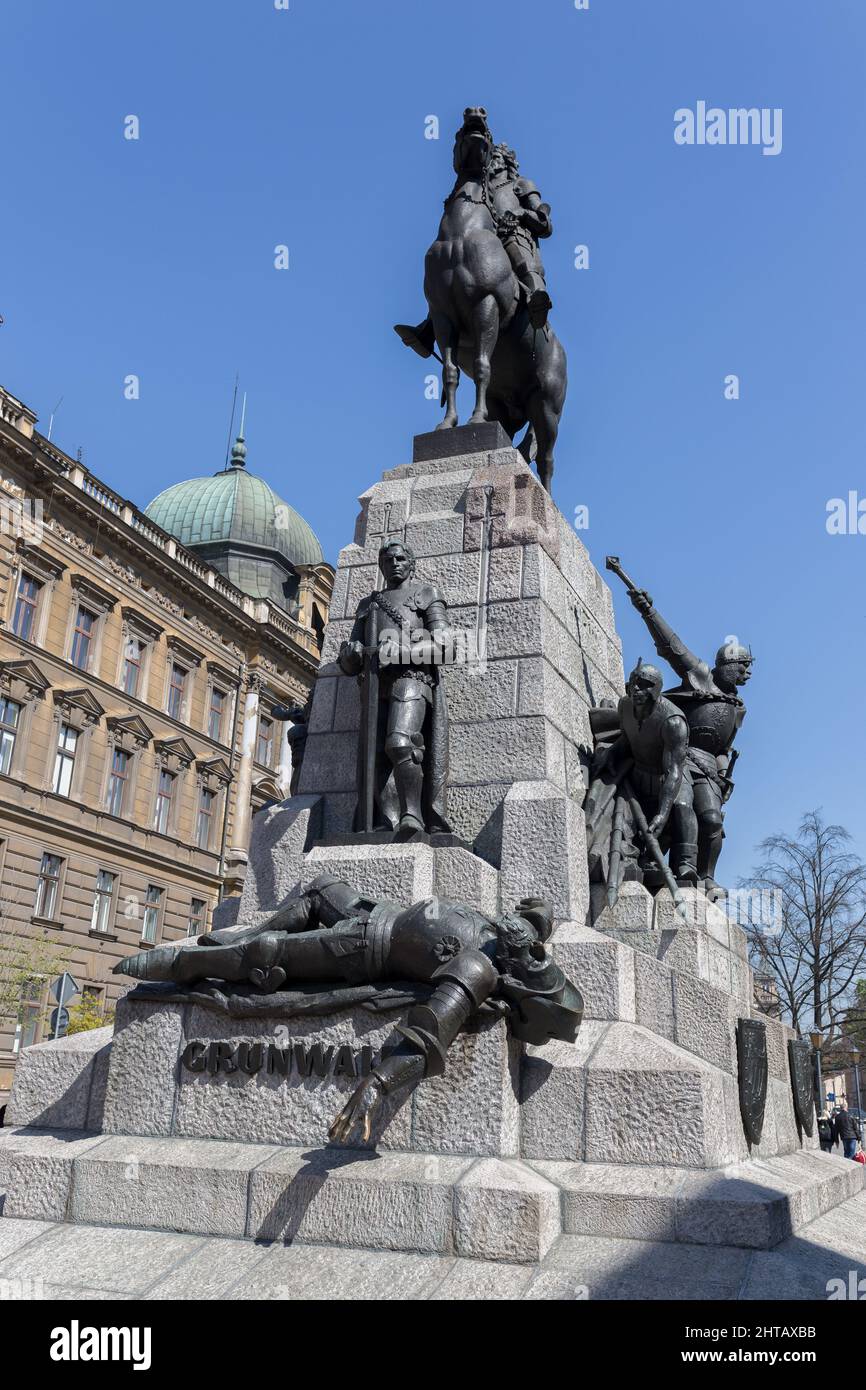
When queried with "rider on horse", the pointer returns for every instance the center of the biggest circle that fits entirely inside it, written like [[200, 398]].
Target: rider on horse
[[521, 220]]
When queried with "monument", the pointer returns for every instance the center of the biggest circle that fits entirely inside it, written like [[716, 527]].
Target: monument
[[474, 994]]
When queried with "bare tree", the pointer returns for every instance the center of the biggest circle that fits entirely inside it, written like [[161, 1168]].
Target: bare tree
[[816, 948]]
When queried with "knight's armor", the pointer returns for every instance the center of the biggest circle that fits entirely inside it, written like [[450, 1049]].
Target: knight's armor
[[714, 716], [406, 689], [333, 933], [646, 742]]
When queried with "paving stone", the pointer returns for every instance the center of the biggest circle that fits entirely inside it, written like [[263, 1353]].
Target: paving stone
[[211, 1271], [14, 1233], [490, 1281], [317, 1272], [100, 1257]]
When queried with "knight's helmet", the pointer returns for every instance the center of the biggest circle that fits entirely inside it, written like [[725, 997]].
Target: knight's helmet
[[732, 651], [645, 672]]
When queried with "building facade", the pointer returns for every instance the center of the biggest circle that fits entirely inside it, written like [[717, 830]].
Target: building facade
[[139, 688]]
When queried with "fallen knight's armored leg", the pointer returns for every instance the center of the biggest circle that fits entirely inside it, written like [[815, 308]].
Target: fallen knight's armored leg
[[461, 985]]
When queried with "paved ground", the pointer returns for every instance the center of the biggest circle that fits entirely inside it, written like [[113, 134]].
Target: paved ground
[[42, 1259]]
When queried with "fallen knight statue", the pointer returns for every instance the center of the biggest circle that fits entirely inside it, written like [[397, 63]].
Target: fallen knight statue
[[332, 934]]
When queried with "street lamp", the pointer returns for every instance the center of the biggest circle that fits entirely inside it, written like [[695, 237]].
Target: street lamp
[[817, 1040], [855, 1058]]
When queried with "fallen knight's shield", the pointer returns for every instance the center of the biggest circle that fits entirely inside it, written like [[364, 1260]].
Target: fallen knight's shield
[[752, 1066], [802, 1082]]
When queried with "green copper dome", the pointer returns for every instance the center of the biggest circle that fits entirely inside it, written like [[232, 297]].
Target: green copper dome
[[238, 524]]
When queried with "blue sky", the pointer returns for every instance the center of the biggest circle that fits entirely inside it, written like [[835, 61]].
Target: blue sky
[[305, 127]]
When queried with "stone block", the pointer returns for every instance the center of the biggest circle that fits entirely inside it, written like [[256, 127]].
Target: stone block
[[654, 996], [613, 1200], [475, 814], [648, 1101], [473, 1108], [54, 1081], [374, 1201], [142, 1071], [705, 1021], [330, 763], [466, 878], [270, 1108], [166, 1184], [438, 493], [544, 849], [279, 838], [438, 533], [505, 1211], [476, 697], [633, 911], [37, 1167], [553, 1093], [603, 970], [403, 872], [505, 750]]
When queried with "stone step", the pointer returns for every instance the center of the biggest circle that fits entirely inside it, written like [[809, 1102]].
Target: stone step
[[755, 1204], [479, 1208], [486, 1209]]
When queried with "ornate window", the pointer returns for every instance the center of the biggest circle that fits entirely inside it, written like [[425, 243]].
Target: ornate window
[[197, 921], [152, 908], [82, 638], [265, 741], [10, 713], [133, 657], [164, 801], [204, 822], [176, 690], [64, 760], [26, 604], [118, 781], [103, 901], [48, 887], [216, 713]]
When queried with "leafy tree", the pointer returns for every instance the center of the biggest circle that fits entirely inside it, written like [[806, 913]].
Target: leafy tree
[[816, 947], [86, 1012]]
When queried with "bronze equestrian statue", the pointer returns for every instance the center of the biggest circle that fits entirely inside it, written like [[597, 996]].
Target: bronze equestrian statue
[[488, 300]]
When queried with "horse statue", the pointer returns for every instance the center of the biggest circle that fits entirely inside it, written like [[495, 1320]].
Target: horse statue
[[488, 305]]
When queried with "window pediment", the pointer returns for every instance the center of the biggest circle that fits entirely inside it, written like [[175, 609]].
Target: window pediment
[[174, 753], [185, 654], [23, 679], [92, 594], [40, 562], [129, 731], [78, 706], [140, 625], [213, 772]]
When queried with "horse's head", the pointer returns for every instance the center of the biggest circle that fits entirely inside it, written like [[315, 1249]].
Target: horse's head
[[473, 142]]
